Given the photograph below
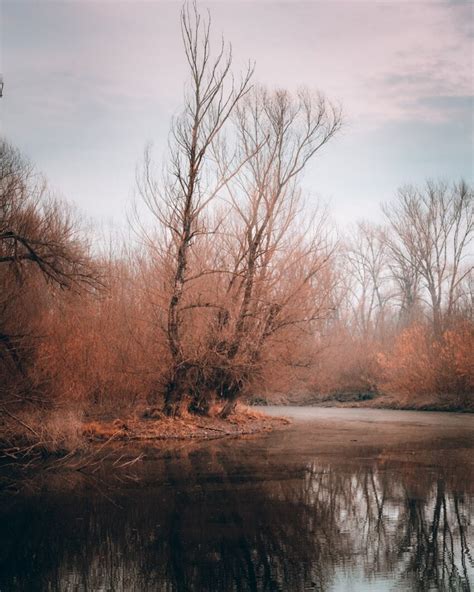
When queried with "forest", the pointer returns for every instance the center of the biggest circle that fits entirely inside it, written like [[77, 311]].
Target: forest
[[232, 284]]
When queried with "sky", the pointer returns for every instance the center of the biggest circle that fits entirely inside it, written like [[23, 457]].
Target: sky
[[89, 83]]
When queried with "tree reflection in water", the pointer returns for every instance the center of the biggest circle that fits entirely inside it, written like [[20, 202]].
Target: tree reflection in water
[[232, 517]]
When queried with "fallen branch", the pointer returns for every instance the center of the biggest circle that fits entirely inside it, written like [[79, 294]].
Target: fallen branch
[[214, 429]]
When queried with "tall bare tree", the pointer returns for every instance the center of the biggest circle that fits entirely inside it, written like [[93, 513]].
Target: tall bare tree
[[261, 263], [192, 183], [267, 198], [280, 263]]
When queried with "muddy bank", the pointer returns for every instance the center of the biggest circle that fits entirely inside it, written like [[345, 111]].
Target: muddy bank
[[385, 402], [379, 401], [244, 421]]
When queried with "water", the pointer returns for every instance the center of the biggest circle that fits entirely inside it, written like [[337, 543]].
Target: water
[[342, 500]]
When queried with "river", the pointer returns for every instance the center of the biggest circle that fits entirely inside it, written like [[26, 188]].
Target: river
[[341, 500]]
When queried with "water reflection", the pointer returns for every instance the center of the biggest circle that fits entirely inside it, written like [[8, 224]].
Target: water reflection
[[260, 515]]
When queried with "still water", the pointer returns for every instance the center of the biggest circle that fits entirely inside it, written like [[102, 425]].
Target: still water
[[341, 500]]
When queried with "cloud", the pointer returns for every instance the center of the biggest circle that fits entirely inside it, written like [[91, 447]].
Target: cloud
[[447, 108], [88, 83]]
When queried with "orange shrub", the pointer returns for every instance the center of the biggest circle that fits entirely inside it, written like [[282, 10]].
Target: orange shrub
[[419, 366], [455, 362]]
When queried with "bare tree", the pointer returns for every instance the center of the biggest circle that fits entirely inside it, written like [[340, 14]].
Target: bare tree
[[268, 200], [366, 256], [38, 231], [278, 260], [180, 203], [258, 264], [405, 275], [430, 230]]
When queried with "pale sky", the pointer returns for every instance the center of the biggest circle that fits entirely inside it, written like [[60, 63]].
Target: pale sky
[[89, 83]]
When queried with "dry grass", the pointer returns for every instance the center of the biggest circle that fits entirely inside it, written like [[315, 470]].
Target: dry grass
[[41, 433], [243, 421]]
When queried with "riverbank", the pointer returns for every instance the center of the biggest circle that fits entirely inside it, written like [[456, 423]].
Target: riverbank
[[390, 402], [64, 434], [243, 421], [376, 401]]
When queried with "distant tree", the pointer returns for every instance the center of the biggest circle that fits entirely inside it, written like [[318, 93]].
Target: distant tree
[[366, 258], [430, 230]]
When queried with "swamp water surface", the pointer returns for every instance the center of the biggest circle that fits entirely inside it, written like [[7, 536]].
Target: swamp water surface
[[341, 500]]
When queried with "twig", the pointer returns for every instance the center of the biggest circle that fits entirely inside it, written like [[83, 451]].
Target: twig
[[214, 429], [25, 425]]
